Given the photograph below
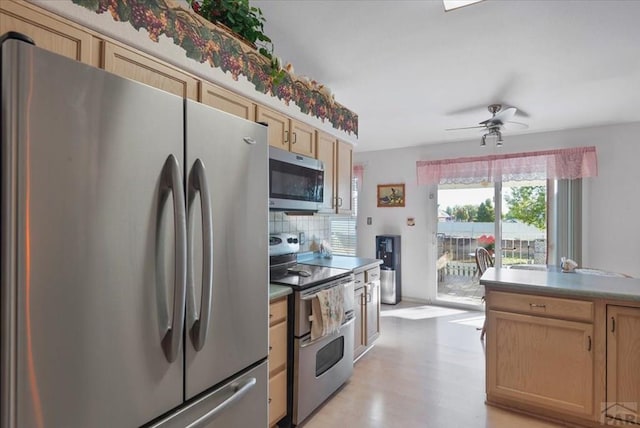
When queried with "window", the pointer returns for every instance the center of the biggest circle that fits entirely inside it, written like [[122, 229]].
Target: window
[[343, 228]]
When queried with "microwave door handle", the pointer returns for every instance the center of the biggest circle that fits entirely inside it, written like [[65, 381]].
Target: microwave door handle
[[198, 185], [171, 182]]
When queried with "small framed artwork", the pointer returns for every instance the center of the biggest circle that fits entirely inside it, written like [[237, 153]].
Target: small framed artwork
[[391, 195]]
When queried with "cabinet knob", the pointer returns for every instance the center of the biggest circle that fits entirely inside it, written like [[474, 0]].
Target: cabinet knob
[[269, 400], [270, 348]]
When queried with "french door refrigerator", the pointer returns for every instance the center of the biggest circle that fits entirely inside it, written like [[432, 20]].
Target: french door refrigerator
[[133, 253]]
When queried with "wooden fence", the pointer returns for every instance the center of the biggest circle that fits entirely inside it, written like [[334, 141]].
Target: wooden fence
[[460, 269]]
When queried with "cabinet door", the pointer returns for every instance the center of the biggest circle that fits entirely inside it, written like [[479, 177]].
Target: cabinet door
[[277, 397], [277, 348], [623, 362], [542, 361], [136, 66], [344, 175], [303, 139], [278, 127], [326, 152], [359, 343], [373, 311], [48, 33], [227, 101]]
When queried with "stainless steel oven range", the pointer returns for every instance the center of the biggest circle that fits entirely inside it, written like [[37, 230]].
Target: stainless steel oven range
[[322, 365]]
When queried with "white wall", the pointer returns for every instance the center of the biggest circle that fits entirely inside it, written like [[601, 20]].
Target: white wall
[[611, 204]]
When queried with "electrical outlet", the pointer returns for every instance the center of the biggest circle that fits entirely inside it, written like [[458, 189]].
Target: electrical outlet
[[301, 238], [369, 221]]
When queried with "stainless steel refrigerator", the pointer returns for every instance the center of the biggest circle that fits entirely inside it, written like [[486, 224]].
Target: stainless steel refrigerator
[[133, 253]]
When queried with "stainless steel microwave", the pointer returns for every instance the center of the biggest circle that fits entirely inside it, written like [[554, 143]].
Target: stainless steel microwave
[[296, 182]]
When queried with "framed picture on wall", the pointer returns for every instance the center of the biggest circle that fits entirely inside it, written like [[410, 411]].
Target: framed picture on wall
[[391, 195]]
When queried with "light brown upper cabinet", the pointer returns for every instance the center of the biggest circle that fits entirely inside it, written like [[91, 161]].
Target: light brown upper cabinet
[[145, 69], [286, 133], [51, 34], [344, 178], [303, 139], [278, 126], [337, 158], [326, 152], [227, 101]]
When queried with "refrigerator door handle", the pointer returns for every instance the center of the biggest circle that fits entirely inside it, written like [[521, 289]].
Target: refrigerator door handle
[[239, 390], [171, 182], [198, 185]]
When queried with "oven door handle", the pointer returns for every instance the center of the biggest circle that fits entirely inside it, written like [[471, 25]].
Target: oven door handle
[[336, 333]]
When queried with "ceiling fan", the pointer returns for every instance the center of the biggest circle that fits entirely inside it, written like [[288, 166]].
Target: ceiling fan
[[500, 119]]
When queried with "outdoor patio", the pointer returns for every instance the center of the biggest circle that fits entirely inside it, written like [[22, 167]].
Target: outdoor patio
[[460, 289]]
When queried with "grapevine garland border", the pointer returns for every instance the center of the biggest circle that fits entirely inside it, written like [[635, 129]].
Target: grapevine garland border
[[205, 42]]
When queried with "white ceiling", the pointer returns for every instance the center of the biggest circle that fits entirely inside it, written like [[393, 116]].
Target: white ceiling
[[411, 70]]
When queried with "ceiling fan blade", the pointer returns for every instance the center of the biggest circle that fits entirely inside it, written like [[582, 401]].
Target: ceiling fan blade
[[505, 115], [468, 127], [515, 125]]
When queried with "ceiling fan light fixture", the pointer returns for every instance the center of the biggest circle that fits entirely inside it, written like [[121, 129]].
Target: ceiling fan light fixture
[[455, 4], [483, 141]]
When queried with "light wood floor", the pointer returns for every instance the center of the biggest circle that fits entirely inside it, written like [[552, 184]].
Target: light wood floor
[[424, 371]]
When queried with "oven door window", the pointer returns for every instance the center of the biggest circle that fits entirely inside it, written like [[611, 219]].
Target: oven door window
[[288, 181], [329, 355]]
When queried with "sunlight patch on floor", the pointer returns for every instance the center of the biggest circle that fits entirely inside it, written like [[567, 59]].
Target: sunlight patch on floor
[[477, 321], [421, 312]]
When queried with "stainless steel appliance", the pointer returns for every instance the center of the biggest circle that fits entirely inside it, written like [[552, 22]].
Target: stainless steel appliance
[[127, 299], [296, 182], [283, 243], [322, 365]]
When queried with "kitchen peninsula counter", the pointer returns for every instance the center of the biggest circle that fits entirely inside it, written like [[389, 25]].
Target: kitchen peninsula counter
[[563, 346], [352, 263], [554, 281]]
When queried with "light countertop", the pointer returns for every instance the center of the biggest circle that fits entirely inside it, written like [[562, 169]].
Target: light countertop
[[276, 291], [355, 264], [554, 281]]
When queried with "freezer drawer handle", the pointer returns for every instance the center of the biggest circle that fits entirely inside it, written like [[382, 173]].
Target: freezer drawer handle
[[171, 182], [239, 391], [200, 320]]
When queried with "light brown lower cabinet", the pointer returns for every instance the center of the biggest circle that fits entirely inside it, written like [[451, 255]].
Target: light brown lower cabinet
[[543, 361], [623, 363], [367, 310], [359, 342], [277, 360], [573, 360]]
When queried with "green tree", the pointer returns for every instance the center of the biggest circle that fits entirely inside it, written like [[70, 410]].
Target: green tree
[[529, 205], [486, 213], [463, 213]]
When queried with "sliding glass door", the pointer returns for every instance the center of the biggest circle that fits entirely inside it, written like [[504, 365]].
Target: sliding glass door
[[507, 219]]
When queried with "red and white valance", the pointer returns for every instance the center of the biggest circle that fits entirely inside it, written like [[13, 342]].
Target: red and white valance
[[358, 173], [579, 162]]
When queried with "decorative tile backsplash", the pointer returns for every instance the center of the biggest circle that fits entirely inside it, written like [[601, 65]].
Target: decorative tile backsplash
[[316, 228]]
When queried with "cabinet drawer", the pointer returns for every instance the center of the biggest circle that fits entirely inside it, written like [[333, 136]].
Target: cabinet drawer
[[358, 281], [373, 274], [553, 307], [277, 397], [278, 311], [277, 347]]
